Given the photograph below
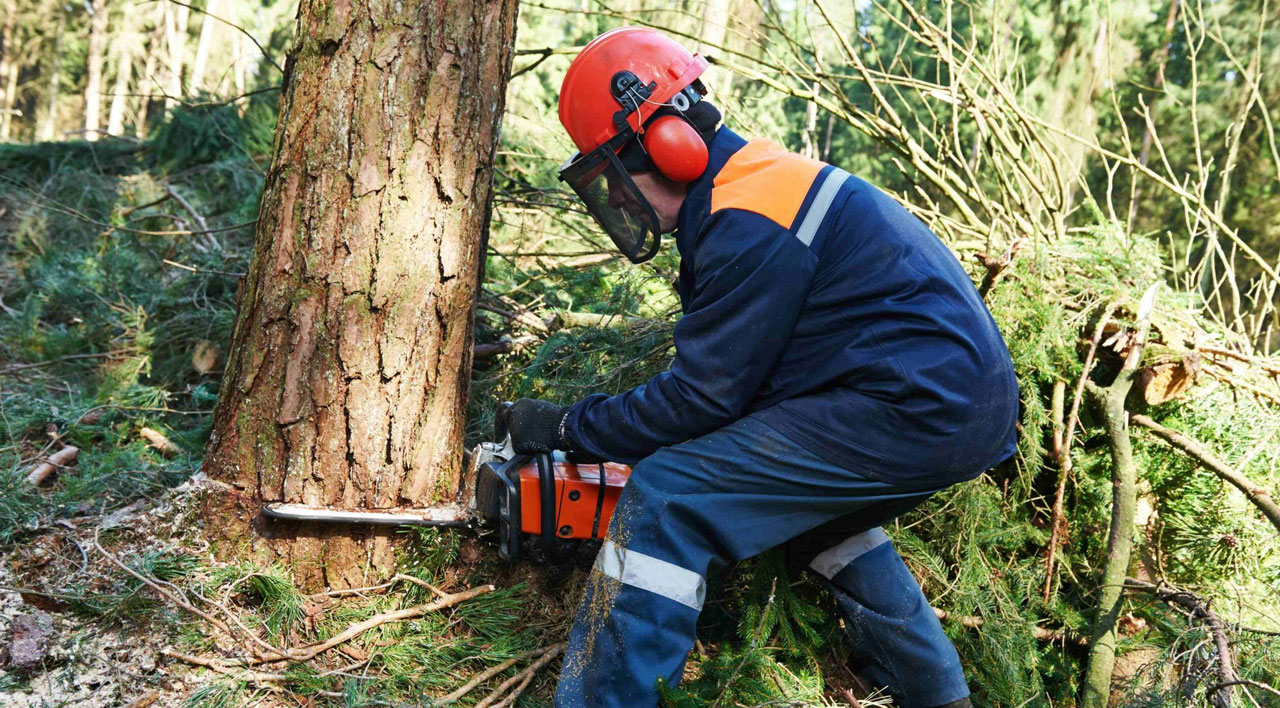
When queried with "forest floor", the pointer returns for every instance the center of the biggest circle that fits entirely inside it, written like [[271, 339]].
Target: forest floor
[[55, 655], [78, 629], [75, 629]]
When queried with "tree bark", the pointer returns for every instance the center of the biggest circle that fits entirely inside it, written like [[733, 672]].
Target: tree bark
[[350, 357], [93, 69]]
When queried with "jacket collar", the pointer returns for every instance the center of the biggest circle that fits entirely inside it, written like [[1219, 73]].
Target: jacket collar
[[697, 201]]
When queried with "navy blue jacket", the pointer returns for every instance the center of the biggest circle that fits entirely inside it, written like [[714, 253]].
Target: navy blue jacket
[[818, 305]]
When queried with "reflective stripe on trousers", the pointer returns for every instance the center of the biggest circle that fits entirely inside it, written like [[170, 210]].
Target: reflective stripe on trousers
[[721, 498], [653, 574]]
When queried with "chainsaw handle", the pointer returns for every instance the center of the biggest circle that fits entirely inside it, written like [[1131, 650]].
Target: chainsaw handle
[[547, 503], [500, 431]]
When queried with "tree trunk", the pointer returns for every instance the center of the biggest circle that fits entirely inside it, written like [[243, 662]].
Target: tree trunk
[[207, 27], [175, 35], [10, 100], [714, 34], [241, 46], [8, 68], [124, 73], [350, 358], [150, 63], [93, 74], [49, 126]]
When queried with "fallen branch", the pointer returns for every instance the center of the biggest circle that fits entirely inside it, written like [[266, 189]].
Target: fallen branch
[[195, 216], [489, 673], [1110, 401], [193, 269], [567, 319], [313, 650], [996, 266], [1237, 384], [357, 628], [1044, 634], [1258, 496], [138, 207], [171, 597], [523, 678], [1251, 361], [513, 312], [1199, 609], [157, 439], [1242, 682], [37, 364], [373, 588], [220, 667], [1058, 517], [502, 346], [56, 461]]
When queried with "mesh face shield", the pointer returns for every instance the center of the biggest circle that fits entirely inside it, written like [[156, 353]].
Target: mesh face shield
[[604, 186]]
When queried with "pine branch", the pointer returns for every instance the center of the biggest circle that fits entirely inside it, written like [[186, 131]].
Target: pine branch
[[1258, 496]]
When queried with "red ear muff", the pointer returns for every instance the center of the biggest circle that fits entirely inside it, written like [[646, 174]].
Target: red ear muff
[[675, 148]]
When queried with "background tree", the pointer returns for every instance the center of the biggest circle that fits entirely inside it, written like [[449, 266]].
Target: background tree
[[350, 359], [96, 55]]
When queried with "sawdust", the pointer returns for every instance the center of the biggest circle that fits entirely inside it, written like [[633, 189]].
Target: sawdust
[[83, 663], [598, 599], [81, 666]]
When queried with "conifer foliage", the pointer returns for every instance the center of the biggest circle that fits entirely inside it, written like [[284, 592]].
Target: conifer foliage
[[1074, 156]]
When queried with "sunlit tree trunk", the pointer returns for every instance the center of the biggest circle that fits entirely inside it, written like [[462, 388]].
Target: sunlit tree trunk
[[714, 32], [238, 69], [350, 357], [93, 69], [10, 100], [208, 26], [123, 46], [175, 34], [49, 126], [150, 65], [8, 68]]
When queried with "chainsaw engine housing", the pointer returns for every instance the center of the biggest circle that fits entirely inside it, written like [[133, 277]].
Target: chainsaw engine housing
[[511, 493]]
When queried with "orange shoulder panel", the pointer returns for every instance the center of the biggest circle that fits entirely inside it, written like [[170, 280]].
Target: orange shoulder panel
[[764, 178]]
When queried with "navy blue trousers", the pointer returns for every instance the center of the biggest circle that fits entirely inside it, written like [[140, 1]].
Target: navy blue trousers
[[724, 497]]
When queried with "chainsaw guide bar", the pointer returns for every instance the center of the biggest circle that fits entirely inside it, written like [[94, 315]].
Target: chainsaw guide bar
[[430, 516], [540, 500]]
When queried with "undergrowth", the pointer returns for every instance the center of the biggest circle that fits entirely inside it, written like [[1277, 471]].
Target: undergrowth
[[107, 329]]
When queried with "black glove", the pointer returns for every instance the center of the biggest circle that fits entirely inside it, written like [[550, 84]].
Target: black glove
[[535, 426]]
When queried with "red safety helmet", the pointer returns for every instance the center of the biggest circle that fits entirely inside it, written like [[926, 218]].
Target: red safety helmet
[[630, 84]]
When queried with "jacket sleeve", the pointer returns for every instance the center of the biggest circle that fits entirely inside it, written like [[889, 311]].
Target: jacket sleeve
[[751, 278]]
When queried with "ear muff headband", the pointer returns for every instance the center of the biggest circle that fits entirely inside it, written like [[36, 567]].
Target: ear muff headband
[[676, 148]]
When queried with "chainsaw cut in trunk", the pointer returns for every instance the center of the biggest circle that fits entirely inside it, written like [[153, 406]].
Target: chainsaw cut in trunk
[[350, 358]]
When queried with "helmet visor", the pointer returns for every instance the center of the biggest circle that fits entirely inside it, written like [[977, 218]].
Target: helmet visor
[[612, 198]]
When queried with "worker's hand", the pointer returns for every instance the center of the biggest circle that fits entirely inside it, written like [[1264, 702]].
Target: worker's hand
[[535, 426]]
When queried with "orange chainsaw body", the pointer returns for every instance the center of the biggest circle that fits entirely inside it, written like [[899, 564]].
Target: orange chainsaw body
[[577, 498]]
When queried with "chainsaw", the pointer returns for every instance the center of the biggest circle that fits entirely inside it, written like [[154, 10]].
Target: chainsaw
[[539, 505]]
